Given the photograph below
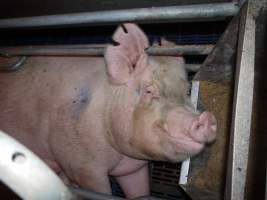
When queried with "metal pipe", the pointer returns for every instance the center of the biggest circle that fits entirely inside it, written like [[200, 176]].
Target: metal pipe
[[193, 67], [180, 50], [88, 194], [92, 50], [185, 13], [93, 195], [14, 66]]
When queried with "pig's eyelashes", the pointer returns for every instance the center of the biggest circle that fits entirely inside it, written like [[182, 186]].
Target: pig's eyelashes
[[124, 28], [114, 43]]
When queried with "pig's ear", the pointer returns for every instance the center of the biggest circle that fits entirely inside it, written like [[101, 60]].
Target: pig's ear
[[126, 57]]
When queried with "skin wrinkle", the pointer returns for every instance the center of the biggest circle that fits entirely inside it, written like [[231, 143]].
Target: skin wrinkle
[[115, 95]]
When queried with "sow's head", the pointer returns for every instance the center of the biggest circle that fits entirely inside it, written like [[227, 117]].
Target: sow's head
[[149, 114]]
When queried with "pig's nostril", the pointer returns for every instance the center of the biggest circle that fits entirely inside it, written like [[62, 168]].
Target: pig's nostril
[[198, 127]]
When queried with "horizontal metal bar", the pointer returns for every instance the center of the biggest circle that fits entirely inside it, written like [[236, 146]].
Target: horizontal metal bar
[[185, 13], [180, 50], [193, 67], [88, 194], [92, 50]]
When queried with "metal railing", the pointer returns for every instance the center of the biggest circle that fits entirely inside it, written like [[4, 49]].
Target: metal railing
[[185, 13]]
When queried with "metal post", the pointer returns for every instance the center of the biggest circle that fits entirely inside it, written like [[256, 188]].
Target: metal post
[[185, 13], [186, 163], [242, 113]]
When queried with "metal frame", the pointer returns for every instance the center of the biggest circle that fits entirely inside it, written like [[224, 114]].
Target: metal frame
[[242, 113], [201, 12]]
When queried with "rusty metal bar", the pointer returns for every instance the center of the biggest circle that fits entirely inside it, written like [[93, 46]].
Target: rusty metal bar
[[180, 50], [185, 13], [98, 50]]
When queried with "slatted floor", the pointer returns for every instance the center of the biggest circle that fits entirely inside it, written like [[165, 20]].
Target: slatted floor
[[164, 179]]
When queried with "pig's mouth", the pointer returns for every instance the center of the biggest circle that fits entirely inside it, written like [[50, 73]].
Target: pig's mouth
[[183, 142], [186, 145]]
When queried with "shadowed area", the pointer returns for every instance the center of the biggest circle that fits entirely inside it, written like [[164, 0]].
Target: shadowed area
[[257, 159]]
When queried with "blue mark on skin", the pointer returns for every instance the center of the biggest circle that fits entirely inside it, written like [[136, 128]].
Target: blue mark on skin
[[80, 102]]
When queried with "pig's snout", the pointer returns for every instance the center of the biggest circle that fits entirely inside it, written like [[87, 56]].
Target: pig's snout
[[204, 128]]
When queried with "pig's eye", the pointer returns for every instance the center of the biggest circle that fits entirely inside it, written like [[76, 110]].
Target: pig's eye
[[148, 92]]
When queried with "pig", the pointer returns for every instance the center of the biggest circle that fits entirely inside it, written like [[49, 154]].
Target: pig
[[91, 117]]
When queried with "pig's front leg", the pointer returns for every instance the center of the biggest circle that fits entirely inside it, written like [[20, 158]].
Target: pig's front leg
[[98, 182], [135, 184]]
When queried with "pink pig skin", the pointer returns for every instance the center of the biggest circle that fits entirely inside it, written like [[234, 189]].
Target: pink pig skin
[[91, 117]]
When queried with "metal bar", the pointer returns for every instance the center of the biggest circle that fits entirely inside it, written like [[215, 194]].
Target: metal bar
[[88, 194], [26, 174], [242, 113], [14, 66], [192, 67], [185, 164], [180, 50], [201, 12], [92, 50], [219, 65]]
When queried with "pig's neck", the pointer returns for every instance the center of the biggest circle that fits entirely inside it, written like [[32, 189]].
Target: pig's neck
[[119, 108], [118, 130], [116, 115]]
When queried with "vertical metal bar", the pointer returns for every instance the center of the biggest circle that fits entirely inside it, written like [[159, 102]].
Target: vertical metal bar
[[242, 113], [186, 163]]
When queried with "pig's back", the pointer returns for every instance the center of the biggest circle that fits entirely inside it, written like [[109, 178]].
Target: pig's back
[[30, 97]]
